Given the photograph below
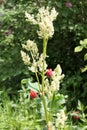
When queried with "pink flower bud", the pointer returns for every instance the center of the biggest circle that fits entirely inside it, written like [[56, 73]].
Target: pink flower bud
[[49, 72], [76, 117], [33, 94], [8, 32], [68, 4]]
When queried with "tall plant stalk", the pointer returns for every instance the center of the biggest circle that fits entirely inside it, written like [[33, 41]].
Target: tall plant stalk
[[43, 77]]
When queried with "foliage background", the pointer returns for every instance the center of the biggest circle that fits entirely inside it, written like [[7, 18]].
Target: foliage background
[[70, 28]]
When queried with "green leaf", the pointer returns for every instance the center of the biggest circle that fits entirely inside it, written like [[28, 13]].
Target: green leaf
[[58, 100], [32, 86], [84, 69], [78, 49], [59, 4], [85, 127], [64, 13], [84, 43], [23, 81], [81, 42], [79, 105], [85, 57]]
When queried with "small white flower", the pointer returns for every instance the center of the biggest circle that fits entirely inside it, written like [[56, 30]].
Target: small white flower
[[61, 118], [32, 47], [40, 63], [57, 73], [30, 18], [55, 85], [33, 67], [25, 58], [58, 70], [53, 14]]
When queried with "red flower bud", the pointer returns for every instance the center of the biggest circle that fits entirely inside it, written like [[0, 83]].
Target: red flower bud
[[76, 117], [49, 72], [33, 94]]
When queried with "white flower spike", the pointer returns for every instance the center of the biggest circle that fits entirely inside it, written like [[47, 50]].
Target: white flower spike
[[44, 20]]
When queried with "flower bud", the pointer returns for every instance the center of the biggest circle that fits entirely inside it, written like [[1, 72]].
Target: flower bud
[[33, 94], [76, 117], [49, 72], [68, 4]]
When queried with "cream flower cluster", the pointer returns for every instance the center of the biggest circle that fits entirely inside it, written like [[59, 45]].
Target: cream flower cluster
[[34, 60], [32, 47], [33, 67], [44, 20], [30, 18], [37, 65], [57, 77], [40, 63], [54, 85], [61, 118], [25, 58]]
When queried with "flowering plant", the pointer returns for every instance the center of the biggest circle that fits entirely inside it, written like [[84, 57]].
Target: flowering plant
[[46, 88]]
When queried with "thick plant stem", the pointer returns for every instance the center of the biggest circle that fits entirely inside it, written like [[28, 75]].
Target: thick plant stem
[[45, 109], [44, 57], [43, 77], [38, 81]]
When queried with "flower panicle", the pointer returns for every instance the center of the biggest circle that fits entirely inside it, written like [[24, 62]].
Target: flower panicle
[[61, 118], [25, 58], [31, 46], [30, 18], [44, 20], [56, 77]]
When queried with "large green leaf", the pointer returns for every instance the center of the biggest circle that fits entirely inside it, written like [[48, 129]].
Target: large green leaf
[[78, 49], [32, 86], [84, 69], [85, 57]]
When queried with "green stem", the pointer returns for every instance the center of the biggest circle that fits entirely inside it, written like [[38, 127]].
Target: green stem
[[45, 109], [44, 57], [43, 77], [38, 80], [51, 104], [35, 71]]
